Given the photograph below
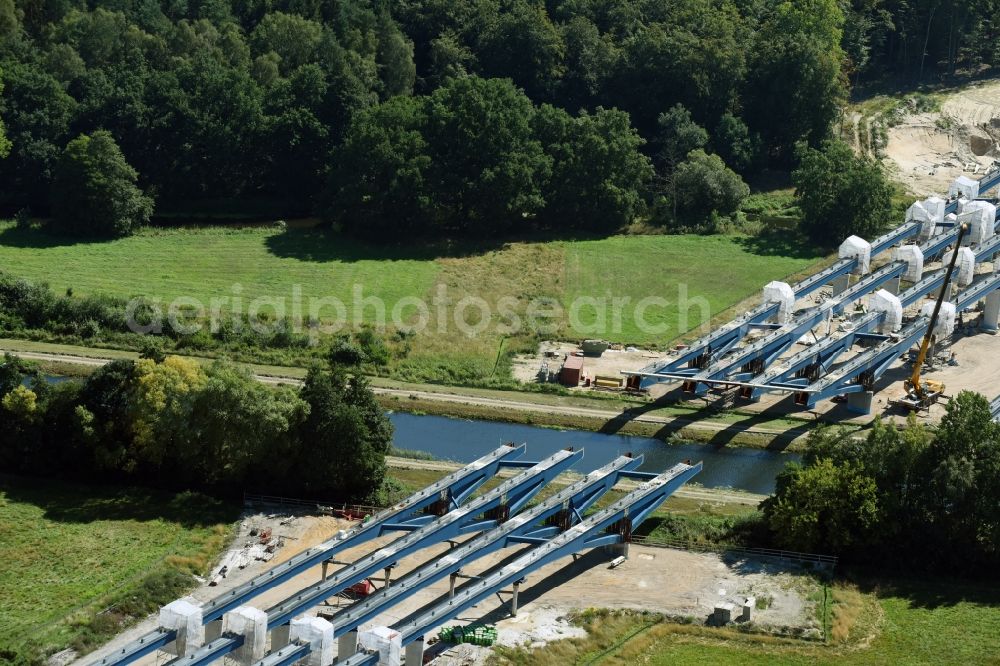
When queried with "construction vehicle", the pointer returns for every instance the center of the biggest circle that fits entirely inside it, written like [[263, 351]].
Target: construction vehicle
[[921, 394]]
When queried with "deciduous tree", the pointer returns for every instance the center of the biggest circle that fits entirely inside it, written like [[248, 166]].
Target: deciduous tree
[[95, 191]]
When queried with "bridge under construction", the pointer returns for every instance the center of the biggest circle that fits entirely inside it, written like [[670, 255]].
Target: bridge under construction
[[753, 354], [557, 526]]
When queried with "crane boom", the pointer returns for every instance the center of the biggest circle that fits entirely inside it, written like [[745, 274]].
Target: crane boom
[[914, 383]]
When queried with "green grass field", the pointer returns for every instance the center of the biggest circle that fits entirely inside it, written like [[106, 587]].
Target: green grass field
[[712, 273], [69, 551]]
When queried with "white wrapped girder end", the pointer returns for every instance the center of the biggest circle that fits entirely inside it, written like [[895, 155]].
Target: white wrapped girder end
[[251, 624], [965, 265], [929, 213], [889, 304], [945, 325], [981, 217], [185, 617], [914, 258], [855, 247], [782, 294], [318, 633], [388, 643], [964, 187]]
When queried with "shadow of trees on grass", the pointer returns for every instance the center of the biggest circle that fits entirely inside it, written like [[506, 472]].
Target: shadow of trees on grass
[[68, 502]]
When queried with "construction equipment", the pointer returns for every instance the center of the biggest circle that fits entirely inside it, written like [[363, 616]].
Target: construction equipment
[[923, 394]]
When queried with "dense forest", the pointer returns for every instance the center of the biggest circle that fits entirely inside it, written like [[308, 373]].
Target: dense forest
[[365, 110]]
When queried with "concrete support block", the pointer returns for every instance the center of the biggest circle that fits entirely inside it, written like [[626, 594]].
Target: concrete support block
[[965, 266], [280, 637], [840, 284], [945, 325], [185, 617], [860, 403], [991, 313], [347, 645], [723, 613], [213, 630], [513, 599], [748, 608], [251, 624], [318, 633], [415, 653]]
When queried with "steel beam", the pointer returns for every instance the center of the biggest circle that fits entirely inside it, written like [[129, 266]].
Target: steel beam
[[513, 494], [453, 489], [528, 528], [605, 527], [861, 372]]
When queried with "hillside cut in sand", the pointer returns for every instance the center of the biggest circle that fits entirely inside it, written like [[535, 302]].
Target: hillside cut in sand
[[929, 150]]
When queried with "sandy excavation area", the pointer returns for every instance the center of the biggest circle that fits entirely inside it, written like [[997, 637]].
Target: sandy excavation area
[[674, 582], [929, 150]]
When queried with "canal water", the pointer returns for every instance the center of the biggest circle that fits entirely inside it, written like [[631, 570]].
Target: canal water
[[464, 440]]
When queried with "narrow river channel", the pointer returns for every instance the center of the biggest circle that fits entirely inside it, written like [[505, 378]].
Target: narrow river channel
[[464, 440]]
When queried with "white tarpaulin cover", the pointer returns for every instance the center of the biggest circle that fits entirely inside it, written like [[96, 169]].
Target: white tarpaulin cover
[[965, 187], [318, 633], [387, 642], [914, 258], [946, 318], [935, 206], [981, 217], [858, 248], [251, 623], [782, 294], [889, 303], [965, 266], [183, 616], [929, 213]]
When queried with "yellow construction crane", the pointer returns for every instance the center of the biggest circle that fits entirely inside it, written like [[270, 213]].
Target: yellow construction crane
[[923, 394]]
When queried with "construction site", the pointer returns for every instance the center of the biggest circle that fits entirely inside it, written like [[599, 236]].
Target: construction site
[[844, 342], [451, 571]]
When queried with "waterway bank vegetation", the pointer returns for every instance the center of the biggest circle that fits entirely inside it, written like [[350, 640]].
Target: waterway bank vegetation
[[172, 423]]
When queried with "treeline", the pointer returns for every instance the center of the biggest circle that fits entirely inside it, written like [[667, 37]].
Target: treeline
[[913, 497], [168, 422], [212, 99]]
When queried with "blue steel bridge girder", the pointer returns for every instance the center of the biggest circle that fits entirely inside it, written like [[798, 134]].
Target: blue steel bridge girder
[[860, 373], [760, 355], [450, 525], [513, 492], [453, 489], [610, 526], [704, 351], [532, 527], [870, 366], [818, 359], [447, 494]]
